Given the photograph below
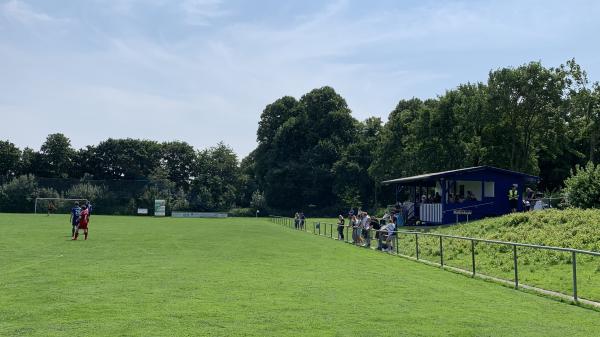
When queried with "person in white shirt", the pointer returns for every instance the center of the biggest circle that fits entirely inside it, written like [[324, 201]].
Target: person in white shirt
[[366, 225]]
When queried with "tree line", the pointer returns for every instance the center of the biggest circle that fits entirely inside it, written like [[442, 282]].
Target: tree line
[[122, 174], [312, 154], [533, 119]]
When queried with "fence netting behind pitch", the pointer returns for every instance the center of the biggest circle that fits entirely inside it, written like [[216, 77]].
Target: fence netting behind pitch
[[56, 205], [107, 196]]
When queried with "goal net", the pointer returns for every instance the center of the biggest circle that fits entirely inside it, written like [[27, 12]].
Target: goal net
[[56, 205]]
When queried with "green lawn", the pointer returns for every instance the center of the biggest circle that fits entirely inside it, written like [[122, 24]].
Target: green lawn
[[244, 277]]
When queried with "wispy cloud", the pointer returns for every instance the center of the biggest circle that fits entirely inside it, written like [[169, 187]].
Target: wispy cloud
[[202, 12], [203, 70], [22, 12]]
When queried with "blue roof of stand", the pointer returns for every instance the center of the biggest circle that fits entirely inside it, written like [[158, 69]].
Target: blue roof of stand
[[443, 174]]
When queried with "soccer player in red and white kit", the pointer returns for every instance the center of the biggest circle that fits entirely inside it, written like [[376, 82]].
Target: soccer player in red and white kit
[[84, 218]]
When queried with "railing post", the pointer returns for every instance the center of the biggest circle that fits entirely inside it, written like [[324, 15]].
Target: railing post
[[516, 267], [441, 253], [330, 230], [320, 228], [397, 248], [417, 245], [473, 255], [574, 263]]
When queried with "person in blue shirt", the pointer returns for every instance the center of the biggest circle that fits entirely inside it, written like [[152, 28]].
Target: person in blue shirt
[[75, 212]]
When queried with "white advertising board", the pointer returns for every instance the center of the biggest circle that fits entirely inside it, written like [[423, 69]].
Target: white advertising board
[[198, 215]]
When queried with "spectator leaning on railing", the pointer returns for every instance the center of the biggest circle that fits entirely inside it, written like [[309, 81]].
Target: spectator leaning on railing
[[340, 228]]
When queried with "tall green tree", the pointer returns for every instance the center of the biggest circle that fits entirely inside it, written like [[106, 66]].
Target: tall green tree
[[352, 183], [178, 159], [57, 155], [394, 154], [526, 100], [10, 156], [217, 179], [584, 105], [299, 142], [124, 158]]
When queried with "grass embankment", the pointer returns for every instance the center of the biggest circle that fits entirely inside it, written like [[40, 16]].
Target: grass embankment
[[243, 277], [579, 229]]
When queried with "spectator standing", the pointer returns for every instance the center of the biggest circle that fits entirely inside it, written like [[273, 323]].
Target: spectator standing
[[513, 198], [391, 236], [528, 198], [340, 227], [366, 229], [302, 219], [376, 226], [356, 238]]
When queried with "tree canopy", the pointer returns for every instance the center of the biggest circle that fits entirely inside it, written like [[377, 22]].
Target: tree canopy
[[312, 153]]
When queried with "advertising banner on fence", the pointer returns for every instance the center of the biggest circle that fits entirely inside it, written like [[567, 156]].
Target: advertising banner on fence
[[160, 207], [198, 215]]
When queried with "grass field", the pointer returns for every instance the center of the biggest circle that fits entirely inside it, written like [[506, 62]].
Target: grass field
[[244, 277]]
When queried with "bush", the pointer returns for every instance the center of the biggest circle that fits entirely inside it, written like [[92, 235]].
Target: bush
[[258, 201], [241, 212], [86, 191], [18, 194], [582, 188]]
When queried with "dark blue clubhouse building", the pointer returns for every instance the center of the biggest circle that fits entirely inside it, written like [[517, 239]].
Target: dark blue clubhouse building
[[444, 197]]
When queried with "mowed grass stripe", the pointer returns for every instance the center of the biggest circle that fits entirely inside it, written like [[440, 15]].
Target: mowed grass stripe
[[243, 277]]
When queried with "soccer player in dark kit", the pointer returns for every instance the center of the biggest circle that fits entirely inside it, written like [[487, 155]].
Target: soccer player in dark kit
[[75, 213]]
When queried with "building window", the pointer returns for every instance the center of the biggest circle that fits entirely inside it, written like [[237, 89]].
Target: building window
[[489, 189]]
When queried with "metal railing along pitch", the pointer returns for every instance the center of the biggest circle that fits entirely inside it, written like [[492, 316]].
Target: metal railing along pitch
[[328, 231]]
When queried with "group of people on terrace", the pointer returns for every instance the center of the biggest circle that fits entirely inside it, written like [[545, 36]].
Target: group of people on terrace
[[452, 198]]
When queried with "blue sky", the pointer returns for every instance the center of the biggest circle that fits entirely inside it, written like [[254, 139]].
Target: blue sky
[[202, 71]]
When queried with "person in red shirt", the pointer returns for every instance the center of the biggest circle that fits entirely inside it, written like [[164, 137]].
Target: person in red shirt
[[84, 218]]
